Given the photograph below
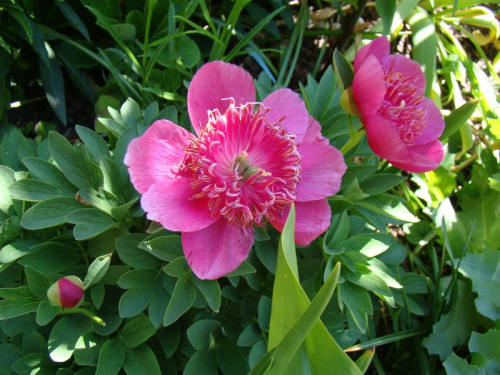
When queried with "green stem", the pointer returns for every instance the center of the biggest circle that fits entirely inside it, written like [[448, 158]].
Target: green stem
[[90, 314]]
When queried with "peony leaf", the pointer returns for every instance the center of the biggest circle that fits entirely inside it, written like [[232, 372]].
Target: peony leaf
[[424, 40], [297, 338], [65, 335], [458, 118], [111, 358], [49, 213]]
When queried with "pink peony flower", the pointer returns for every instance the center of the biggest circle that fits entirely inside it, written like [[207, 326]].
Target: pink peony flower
[[246, 165], [66, 292], [401, 124]]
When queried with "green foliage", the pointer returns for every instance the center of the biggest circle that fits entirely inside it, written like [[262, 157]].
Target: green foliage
[[409, 263]]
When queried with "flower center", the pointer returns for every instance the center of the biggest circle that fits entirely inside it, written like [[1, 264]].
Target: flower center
[[402, 106], [246, 166]]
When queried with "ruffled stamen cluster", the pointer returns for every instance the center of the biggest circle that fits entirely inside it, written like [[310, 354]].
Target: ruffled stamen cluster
[[402, 106], [248, 167]]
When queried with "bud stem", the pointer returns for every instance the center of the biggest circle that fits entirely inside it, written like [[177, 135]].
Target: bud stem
[[90, 314]]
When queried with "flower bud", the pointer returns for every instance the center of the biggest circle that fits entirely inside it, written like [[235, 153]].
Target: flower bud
[[66, 292], [347, 102]]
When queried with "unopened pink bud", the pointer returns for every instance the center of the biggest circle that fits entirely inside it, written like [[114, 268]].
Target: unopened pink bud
[[66, 292]]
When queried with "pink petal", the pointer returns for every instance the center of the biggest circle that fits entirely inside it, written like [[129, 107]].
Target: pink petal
[[313, 132], [287, 105], [211, 84], [312, 219], [322, 168], [368, 86], [384, 140], [156, 155], [435, 123], [171, 203], [425, 158], [218, 249], [410, 68], [70, 293], [379, 48]]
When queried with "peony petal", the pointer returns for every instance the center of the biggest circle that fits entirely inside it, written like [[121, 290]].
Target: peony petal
[[407, 67], [322, 168], [313, 132], [287, 105], [156, 155], [214, 82], [368, 87], [218, 249], [379, 48], [312, 219], [171, 203], [435, 123], [425, 158], [384, 140]]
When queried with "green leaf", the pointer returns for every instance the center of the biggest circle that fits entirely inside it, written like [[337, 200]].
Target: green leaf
[[379, 183], [141, 283], [90, 222], [488, 301], [458, 118], [159, 301], [73, 18], [49, 173], [96, 271], [78, 168], [211, 291], [486, 344], [111, 358], [24, 21], [137, 331], [424, 42], [52, 257], [202, 333], [102, 200], [182, 299], [166, 248], [49, 213], [10, 229], [202, 362], [455, 326], [343, 70], [53, 83], [130, 252], [65, 335], [9, 354], [6, 178], [187, 54], [16, 249], [38, 282], [357, 302], [35, 363], [94, 142], [18, 301], [87, 349], [338, 231], [230, 357], [177, 268], [386, 205], [294, 319], [386, 9], [111, 176], [141, 361], [46, 312], [456, 365], [34, 191], [12, 144]]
